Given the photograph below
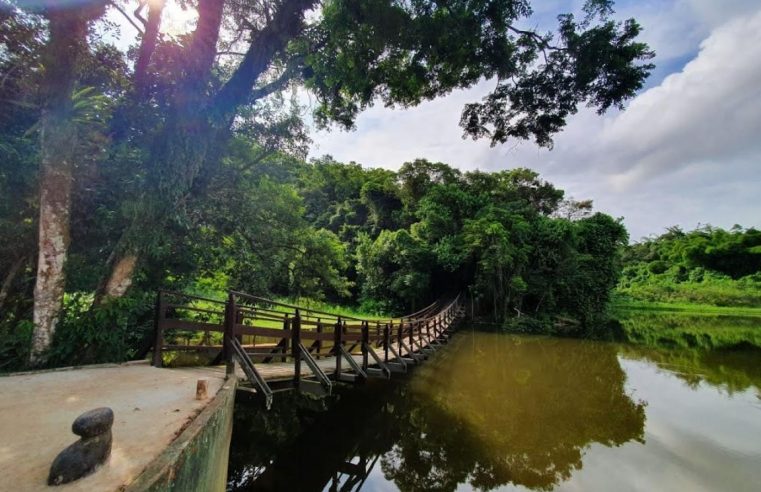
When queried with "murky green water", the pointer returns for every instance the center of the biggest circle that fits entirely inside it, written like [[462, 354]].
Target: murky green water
[[503, 412]]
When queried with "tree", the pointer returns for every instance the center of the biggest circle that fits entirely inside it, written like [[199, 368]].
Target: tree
[[187, 98], [357, 52], [58, 136]]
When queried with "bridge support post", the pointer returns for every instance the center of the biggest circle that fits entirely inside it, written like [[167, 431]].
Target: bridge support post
[[295, 348]]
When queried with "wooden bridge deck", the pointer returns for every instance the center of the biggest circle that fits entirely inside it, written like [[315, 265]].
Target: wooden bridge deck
[[278, 370]]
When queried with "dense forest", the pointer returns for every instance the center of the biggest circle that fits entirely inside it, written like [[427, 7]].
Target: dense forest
[[179, 163], [708, 265]]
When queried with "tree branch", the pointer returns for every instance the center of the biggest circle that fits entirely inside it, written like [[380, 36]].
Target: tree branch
[[286, 24], [147, 45], [126, 16], [540, 42], [279, 83]]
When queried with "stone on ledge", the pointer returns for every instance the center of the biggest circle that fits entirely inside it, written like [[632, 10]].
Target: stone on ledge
[[84, 456]]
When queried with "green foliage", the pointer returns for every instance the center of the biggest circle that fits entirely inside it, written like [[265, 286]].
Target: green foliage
[[407, 52], [110, 332], [709, 266]]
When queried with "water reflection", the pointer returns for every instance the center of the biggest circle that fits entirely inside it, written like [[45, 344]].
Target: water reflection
[[490, 410], [731, 370]]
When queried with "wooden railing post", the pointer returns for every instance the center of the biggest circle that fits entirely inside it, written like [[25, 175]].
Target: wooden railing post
[[365, 341], [285, 340], [386, 340], [239, 321], [318, 343], [412, 329], [295, 348], [158, 331], [400, 335], [337, 342], [230, 317]]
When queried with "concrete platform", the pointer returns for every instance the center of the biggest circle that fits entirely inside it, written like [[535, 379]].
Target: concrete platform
[[151, 407]]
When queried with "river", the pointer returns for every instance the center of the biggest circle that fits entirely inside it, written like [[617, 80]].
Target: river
[[507, 412]]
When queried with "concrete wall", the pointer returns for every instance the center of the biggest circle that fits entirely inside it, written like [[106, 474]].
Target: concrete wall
[[197, 459]]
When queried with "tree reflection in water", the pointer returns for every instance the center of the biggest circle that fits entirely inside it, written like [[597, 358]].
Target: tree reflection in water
[[489, 410]]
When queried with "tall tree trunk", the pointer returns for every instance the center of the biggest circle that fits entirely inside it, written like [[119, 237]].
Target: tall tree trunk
[[68, 31]]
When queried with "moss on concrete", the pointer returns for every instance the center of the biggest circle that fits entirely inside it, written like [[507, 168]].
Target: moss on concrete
[[197, 459]]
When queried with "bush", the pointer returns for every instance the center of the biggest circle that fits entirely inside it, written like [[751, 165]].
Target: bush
[[111, 332], [15, 342]]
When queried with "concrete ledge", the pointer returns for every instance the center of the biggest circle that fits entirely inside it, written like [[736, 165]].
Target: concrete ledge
[[197, 459], [32, 372]]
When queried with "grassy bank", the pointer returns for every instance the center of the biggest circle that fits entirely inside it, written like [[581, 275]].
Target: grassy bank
[[623, 306]]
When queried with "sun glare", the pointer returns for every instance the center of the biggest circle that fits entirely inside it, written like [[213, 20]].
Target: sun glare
[[177, 21]]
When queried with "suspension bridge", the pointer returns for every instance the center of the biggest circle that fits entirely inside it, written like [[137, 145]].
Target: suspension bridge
[[278, 346]]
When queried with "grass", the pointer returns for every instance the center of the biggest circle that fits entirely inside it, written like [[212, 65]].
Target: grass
[[624, 305], [336, 309], [713, 292]]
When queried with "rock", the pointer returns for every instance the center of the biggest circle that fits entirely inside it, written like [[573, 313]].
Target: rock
[[93, 423], [84, 456]]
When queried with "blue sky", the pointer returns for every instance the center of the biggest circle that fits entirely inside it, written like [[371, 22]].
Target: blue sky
[[687, 150]]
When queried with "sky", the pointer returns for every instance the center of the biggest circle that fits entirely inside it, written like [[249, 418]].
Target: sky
[[686, 151]]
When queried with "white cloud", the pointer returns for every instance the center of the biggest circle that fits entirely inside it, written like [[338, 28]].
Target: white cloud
[[708, 113]]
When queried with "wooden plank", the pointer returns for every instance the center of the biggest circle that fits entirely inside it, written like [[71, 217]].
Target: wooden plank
[[313, 335], [192, 347], [259, 330], [180, 324]]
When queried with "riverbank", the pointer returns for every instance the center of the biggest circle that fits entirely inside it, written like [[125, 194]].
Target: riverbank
[[623, 305]]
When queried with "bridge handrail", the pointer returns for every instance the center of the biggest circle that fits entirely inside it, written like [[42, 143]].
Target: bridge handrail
[[414, 328]]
